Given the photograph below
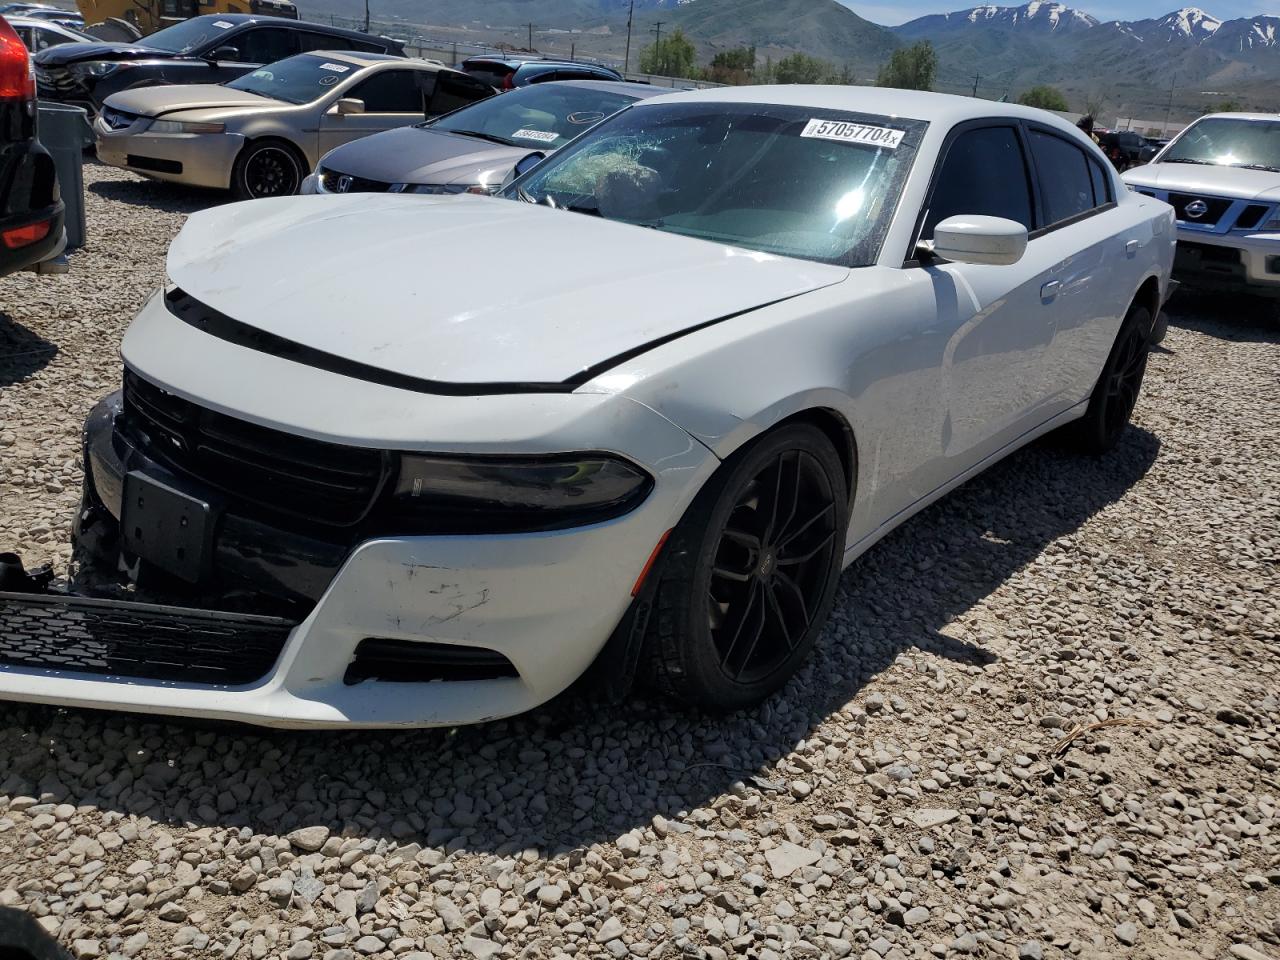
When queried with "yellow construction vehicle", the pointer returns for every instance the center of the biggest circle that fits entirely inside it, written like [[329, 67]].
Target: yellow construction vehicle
[[148, 16]]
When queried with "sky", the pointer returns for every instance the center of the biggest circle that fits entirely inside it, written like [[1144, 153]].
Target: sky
[[891, 12]]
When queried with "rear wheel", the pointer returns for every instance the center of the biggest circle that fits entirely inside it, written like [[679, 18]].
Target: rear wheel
[[1116, 393], [267, 168], [750, 573]]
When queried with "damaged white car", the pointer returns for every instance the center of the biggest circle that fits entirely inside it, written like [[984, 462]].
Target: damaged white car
[[359, 474]]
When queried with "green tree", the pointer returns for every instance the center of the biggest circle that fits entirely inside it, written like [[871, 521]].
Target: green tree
[[1044, 97], [802, 68], [1226, 105], [672, 56], [910, 68], [737, 66]]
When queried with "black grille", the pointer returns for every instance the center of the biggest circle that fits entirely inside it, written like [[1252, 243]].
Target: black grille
[[155, 164], [1251, 217], [1216, 207], [307, 479], [414, 661], [118, 119], [335, 182], [136, 640]]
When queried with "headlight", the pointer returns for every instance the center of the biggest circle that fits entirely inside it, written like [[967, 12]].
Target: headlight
[[96, 68], [178, 126], [511, 494]]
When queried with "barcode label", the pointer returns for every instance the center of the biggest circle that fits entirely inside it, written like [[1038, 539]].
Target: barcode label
[[847, 132], [542, 136]]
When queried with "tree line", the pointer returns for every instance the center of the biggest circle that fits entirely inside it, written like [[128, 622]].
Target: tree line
[[909, 68]]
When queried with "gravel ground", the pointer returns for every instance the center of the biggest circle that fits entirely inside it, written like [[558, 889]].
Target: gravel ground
[[902, 797]]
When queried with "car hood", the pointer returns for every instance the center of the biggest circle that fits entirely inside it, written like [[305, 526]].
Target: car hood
[[1213, 181], [65, 53], [423, 155], [410, 285], [157, 101]]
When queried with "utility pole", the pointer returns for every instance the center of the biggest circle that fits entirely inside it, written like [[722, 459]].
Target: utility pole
[[976, 78], [658, 31], [366, 16], [1169, 112], [626, 62], [573, 50], [530, 26]]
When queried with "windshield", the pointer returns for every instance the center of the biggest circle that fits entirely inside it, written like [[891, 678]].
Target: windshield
[[794, 181], [542, 117], [298, 79], [188, 35], [1225, 141]]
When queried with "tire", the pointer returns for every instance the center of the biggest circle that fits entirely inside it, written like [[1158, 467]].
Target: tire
[[268, 168], [1116, 392], [737, 607]]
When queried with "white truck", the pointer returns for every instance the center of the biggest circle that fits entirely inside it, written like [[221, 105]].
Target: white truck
[[1222, 177]]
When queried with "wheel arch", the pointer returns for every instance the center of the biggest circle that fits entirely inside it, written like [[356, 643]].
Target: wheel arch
[[252, 140], [1149, 296]]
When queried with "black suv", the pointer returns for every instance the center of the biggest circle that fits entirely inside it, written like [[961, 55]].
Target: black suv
[[31, 210], [507, 73], [209, 49]]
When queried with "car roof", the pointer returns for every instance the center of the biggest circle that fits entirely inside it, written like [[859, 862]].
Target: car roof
[[522, 61], [18, 20], [641, 91], [240, 18], [358, 58], [1241, 116], [942, 108]]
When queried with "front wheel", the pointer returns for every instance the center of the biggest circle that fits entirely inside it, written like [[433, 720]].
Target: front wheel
[[750, 573], [267, 168], [1116, 392]]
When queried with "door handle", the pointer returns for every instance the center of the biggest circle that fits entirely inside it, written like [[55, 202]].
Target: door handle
[[1131, 248], [1050, 290]]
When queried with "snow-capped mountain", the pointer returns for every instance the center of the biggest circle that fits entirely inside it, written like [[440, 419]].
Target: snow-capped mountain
[[1248, 34], [1190, 24], [1036, 16]]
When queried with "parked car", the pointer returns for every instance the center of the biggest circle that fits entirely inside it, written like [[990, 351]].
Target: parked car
[[55, 15], [37, 35], [32, 214], [748, 332], [508, 73], [1222, 177], [208, 49], [1150, 147], [261, 134], [1123, 147], [477, 147]]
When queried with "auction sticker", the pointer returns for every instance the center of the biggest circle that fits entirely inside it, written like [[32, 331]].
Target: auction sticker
[[335, 67], [223, 24], [542, 136], [846, 132]]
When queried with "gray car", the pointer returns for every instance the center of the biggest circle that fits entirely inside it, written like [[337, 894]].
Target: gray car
[[475, 148]]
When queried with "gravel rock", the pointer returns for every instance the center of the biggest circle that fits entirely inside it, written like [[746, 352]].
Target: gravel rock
[[897, 799]]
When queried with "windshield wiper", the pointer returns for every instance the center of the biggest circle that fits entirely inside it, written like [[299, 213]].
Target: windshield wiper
[[1204, 163], [1258, 166], [525, 195], [492, 138]]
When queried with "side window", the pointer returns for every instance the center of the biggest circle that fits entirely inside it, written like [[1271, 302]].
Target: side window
[[1101, 183], [391, 91], [369, 46], [452, 91], [984, 173], [265, 44], [1066, 181], [320, 41], [28, 38]]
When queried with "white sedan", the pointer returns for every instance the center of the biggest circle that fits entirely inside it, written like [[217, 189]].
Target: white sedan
[[741, 335]]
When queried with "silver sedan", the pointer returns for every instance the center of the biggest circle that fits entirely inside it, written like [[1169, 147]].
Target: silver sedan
[[259, 135]]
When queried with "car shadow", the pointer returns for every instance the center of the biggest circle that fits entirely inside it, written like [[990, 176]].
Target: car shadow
[[1237, 317], [173, 197], [573, 773], [22, 352]]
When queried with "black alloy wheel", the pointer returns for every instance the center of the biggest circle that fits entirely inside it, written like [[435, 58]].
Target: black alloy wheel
[[267, 169], [1116, 393], [748, 578]]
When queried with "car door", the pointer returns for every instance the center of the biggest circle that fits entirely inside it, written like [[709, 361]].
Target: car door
[[392, 98], [1093, 251], [252, 48], [997, 323]]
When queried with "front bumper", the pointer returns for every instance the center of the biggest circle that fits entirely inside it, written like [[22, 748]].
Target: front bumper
[[546, 602], [1233, 262], [196, 159]]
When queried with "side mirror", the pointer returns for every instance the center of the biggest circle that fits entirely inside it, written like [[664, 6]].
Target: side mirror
[[227, 52], [346, 106], [528, 162], [993, 241]]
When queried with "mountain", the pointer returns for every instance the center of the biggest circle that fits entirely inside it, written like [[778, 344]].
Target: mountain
[[1018, 47]]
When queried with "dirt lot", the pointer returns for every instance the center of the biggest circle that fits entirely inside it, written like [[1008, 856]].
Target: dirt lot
[[902, 797]]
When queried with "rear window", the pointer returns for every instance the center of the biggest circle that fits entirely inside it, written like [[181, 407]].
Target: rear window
[[540, 117], [491, 73]]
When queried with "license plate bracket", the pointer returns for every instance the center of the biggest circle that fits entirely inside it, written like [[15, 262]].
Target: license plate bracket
[[168, 527]]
